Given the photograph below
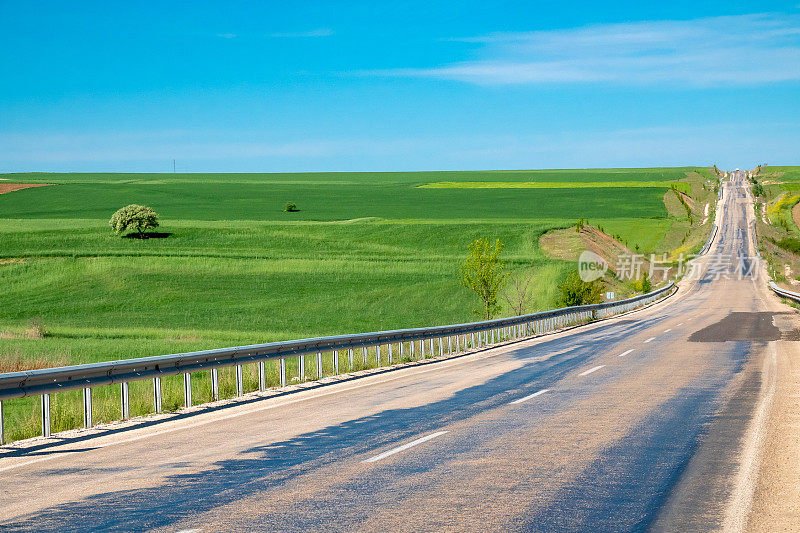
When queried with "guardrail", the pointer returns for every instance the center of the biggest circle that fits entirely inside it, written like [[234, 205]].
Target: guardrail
[[794, 296], [449, 339], [707, 245]]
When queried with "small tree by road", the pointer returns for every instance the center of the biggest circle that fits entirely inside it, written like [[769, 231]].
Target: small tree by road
[[518, 296], [482, 272], [135, 217]]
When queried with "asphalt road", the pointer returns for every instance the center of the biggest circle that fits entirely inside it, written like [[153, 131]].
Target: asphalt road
[[655, 420]]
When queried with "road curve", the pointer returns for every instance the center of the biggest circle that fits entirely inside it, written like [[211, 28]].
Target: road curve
[[655, 420]]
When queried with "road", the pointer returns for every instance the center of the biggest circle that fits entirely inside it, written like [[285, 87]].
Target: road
[[678, 417]]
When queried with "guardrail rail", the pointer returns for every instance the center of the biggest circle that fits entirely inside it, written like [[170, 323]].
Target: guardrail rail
[[794, 296], [444, 339]]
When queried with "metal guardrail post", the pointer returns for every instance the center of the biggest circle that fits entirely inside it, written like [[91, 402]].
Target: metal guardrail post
[[187, 390], [411, 349], [319, 365], [377, 355], [389, 354], [422, 348], [87, 407], [45, 415], [350, 359], [239, 381], [215, 384], [125, 400], [157, 393], [301, 361], [282, 371], [366, 355], [336, 360], [262, 376], [441, 347]]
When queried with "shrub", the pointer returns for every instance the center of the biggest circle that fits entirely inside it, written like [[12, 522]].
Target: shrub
[[790, 244], [575, 291], [643, 285], [290, 207], [134, 216], [36, 329]]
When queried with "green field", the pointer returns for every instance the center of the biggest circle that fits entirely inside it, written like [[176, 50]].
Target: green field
[[552, 185], [366, 251]]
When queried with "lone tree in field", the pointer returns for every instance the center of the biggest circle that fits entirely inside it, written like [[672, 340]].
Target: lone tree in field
[[482, 272], [135, 217]]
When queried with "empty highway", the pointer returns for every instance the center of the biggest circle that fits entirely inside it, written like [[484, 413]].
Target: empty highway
[[678, 417]]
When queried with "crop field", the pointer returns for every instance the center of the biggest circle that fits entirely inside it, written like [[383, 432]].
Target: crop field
[[365, 251]]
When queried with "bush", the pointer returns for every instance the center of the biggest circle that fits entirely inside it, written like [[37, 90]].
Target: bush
[[643, 285], [134, 216], [575, 291], [758, 190], [290, 207], [790, 244]]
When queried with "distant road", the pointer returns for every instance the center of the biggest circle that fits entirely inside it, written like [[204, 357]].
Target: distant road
[[661, 419]]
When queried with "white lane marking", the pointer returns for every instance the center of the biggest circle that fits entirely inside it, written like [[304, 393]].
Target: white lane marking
[[667, 330], [679, 324], [595, 369], [650, 339], [529, 396], [626, 352], [406, 446]]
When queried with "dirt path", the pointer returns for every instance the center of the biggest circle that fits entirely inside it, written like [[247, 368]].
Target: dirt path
[[11, 187]]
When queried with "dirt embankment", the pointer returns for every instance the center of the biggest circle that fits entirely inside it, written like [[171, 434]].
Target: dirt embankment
[[11, 187], [796, 214], [568, 244]]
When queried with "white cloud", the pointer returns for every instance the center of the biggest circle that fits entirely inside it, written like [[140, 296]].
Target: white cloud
[[745, 49]]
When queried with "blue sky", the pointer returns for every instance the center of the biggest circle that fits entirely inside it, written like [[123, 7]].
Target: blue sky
[[272, 86]]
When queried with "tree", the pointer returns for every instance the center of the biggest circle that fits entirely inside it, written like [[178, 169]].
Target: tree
[[575, 291], [579, 225], [290, 207], [134, 216], [518, 296], [643, 285], [482, 272]]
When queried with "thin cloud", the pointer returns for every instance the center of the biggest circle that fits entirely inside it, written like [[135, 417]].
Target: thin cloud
[[745, 49], [321, 32]]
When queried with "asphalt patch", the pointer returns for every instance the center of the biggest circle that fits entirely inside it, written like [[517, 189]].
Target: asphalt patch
[[756, 327]]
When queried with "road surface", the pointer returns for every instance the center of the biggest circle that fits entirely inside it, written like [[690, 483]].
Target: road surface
[[678, 417]]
